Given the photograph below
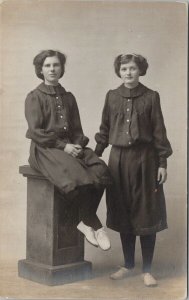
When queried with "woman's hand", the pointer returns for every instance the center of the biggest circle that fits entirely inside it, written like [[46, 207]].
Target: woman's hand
[[72, 149], [162, 175]]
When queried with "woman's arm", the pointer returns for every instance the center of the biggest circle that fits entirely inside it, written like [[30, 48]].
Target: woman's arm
[[78, 137], [35, 119], [102, 136], [160, 140]]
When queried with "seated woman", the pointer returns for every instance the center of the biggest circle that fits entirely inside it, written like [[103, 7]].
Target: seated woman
[[58, 146]]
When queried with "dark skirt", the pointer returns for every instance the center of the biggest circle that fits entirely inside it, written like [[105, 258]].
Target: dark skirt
[[135, 201], [68, 173]]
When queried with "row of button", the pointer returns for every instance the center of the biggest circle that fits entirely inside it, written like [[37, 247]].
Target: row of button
[[128, 120], [59, 106]]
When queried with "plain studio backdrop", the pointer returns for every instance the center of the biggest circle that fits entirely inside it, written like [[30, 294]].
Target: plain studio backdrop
[[92, 34]]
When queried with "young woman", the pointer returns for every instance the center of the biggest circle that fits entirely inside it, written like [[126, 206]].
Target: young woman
[[133, 124], [58, 145]]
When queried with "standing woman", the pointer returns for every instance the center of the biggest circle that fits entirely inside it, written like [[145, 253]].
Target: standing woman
[[58, 146], [132, 122]]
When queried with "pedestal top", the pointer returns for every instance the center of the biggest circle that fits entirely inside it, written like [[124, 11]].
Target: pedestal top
[[27, 171]]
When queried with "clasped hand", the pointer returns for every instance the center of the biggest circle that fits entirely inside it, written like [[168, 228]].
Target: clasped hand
[[73, 150]]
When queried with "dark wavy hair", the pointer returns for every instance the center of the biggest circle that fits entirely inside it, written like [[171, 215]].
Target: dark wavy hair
[[140, 61], [40, 58]]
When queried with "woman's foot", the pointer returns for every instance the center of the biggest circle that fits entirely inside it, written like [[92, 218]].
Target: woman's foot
[[102, 239], [121, 273], [149, 280], [88, 233]]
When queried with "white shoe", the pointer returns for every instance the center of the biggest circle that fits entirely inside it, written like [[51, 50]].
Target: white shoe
[[149, 280], [121, 273], [102, 239], [88, 233]]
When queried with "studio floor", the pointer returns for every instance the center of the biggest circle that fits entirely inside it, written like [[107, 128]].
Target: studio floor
[[171, 285]]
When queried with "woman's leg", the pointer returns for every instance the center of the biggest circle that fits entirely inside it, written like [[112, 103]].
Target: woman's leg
[[90, 224], [88, 204], [128, 245], [147, 246]]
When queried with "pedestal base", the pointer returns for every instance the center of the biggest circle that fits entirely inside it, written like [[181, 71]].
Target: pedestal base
[[54, 275]]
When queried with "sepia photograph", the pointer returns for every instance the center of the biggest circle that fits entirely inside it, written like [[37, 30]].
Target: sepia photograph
[[93, 155]]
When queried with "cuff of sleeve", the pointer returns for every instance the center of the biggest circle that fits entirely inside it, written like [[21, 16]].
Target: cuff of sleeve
[[163, 162], [60, 144], [82, 141], [99, 150]]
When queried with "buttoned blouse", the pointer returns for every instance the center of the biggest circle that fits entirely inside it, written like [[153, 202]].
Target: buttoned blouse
[[131, 117], [53, 117]]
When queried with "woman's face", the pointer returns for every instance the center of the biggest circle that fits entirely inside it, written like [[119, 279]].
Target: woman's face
[[129, 73], [51, 70]]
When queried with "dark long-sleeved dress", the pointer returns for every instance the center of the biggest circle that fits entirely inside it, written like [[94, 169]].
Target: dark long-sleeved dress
[[53, 121], [133, 124]]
